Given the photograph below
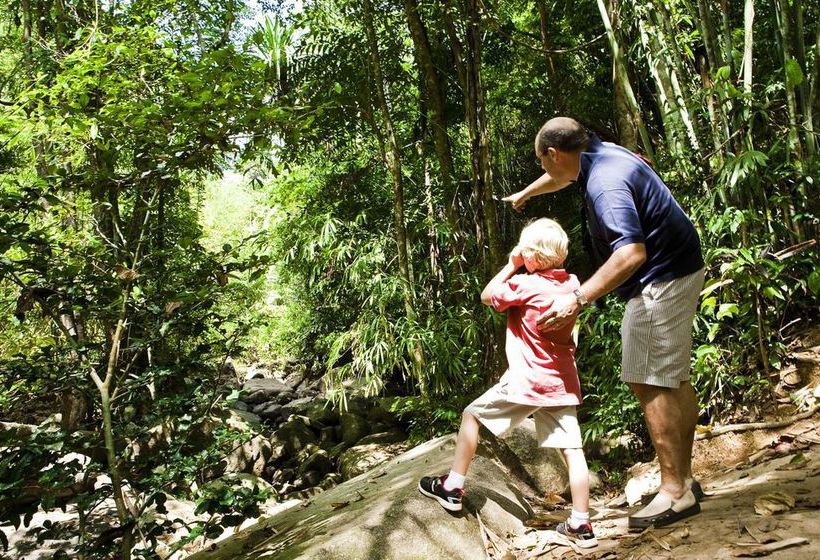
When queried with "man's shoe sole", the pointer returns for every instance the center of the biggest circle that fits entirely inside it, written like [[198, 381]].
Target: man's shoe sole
[[697, 490], [662, 520], [444, 503]]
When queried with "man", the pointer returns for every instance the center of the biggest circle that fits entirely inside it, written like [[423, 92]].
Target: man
[[652, 259]]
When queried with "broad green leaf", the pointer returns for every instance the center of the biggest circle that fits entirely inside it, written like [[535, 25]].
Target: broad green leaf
[[727, 310], [814, 282], [794, 74]]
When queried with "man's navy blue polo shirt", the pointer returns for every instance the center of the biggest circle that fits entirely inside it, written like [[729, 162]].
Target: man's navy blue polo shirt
[[628, 203]]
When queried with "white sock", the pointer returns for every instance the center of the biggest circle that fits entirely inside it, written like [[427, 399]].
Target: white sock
[[577, 518], [454, 480]]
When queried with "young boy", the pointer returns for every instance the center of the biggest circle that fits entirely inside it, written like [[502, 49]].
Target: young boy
[[541, 381]]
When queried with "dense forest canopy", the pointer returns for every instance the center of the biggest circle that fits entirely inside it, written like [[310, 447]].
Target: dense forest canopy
[[366, 145]]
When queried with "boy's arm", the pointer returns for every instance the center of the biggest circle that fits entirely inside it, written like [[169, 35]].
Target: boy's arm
[[544, 184], [503, 275]]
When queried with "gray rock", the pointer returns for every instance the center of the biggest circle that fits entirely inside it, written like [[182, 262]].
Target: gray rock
[[293, 436], [386, 517], [261, 390], [330, 481], [285, 397], [251, 457], [545, 466], [393, 436], [272, 411], [354, 427], [327, 437], [362, 458], [239, 405], [381, 413], [358, 405], [308, 479], [298, 406], [338, 449], [319, 462]]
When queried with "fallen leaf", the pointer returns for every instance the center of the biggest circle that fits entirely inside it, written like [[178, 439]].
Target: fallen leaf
[[542, 519], [703, 429], [798, 461], [339, 505], [760, 536], [553, 498], [124, 273], [766, 549], [172, 306], [775, 502]]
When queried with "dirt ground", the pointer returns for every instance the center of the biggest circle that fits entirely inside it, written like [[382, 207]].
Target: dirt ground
[[785, 461]]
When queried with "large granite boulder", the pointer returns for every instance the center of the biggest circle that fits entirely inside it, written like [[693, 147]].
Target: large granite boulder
[[293, 436], [262, 390], [354, 427], [381, 514], [544, 467], [251, 457]]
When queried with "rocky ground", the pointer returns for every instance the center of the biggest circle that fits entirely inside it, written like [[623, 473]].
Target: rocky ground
[[304, 445], [766, 500], [344, 487]]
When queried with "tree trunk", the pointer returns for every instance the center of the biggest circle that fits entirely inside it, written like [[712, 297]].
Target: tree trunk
[[783, 14], [623, 77], [483, 145], [728, 59], [552, 84], [707, 30], [627, 129], [670, 51], [438, 117], [675, 135], [391, 154], [748, 42], [25, 6], [805, 105]]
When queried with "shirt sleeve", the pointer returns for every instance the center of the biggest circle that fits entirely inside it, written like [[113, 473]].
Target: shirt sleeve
[[617, 215], [509, 294]]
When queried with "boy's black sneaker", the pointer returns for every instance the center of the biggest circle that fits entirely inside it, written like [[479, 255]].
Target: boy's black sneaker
[[433, 487], [583, 536]]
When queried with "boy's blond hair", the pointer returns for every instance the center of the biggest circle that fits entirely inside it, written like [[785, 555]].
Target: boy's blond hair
[[544, 241]]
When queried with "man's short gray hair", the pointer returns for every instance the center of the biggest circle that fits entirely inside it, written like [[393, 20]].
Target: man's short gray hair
[[561, 133]]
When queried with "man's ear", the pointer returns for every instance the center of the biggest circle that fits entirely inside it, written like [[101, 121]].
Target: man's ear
[[553, 154]]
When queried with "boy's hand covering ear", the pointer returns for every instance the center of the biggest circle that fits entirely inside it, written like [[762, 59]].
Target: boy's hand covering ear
[[516, 260]]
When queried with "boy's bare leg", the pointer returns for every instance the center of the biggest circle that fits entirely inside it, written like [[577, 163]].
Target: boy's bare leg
[[466, 443], [578, 479], [671, 415]]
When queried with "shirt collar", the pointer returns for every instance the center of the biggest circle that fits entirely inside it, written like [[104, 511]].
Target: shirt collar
[[587, 157], [558, 274]]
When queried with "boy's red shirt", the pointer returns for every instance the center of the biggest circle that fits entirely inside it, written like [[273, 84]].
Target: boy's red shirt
[[542, 368]]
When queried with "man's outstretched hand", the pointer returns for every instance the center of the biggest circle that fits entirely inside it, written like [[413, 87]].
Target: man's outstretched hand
[[518, 200], [561, 313]]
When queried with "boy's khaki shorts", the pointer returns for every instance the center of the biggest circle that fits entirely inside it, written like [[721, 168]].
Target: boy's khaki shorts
[[554, 427]]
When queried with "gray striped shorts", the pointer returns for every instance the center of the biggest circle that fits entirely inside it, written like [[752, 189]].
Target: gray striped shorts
[[657, 332]]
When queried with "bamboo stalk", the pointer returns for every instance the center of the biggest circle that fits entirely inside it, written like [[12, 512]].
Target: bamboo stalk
[[623, 77]]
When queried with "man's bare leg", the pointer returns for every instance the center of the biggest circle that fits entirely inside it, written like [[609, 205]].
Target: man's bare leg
[[689, 407], [671, 415], [466, 443]]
